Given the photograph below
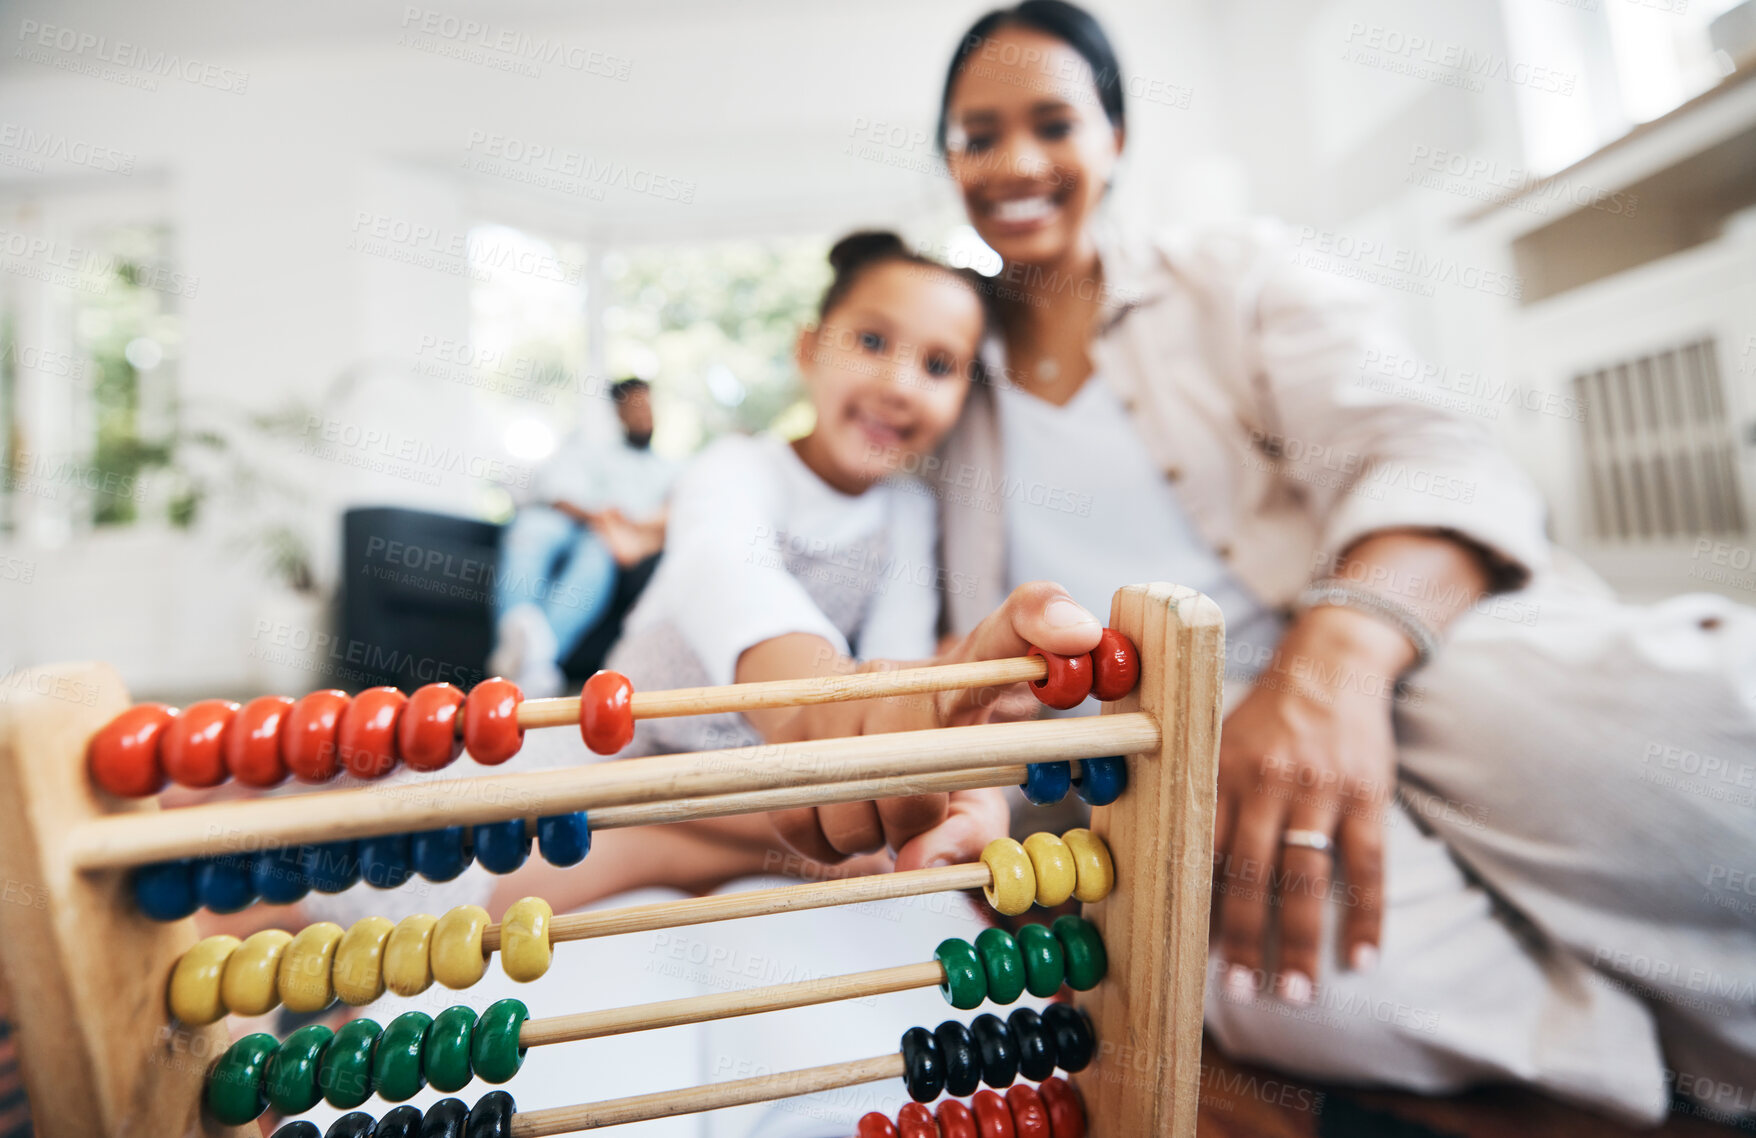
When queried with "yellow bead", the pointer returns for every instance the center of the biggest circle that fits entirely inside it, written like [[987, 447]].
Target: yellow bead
[[524, 939], [195, 981], [359, 961], [304, 970], [1091, 861], [249, 985], [1053, 863], [407, 971], [1015, 883], [457, 946]]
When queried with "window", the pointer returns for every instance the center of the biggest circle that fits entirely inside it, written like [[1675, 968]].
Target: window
[[712, 328], [1598, 68], [89, 343]]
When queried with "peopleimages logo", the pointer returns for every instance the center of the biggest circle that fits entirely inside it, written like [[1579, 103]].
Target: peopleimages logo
[[81, 51]]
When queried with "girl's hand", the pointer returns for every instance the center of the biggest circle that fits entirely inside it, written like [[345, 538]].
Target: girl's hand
[[927, 829], [1310, 750]]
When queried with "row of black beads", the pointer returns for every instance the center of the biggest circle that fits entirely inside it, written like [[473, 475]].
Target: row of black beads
[[491, 1117], [956, 1059]]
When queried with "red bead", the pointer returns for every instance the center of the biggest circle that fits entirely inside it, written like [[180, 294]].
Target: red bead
[[366, 736], [491, 733], [307, 743], [1068, 681], [915, 1121], [955, 1120], [427, 736], [606, 712], [1066, 1112], [875, 1125], [252, 744], [123, 756], [993, 1117], [1029, 1119], [192, 748], [1115, 666]]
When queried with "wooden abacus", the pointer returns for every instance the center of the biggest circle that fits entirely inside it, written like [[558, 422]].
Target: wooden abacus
[[88, 973]]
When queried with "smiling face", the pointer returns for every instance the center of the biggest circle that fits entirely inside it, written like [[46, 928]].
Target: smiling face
[[888, 370], [1029, 145]]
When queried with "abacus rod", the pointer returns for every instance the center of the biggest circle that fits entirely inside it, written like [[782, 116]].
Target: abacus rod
[[760, 903], [564, 712], [822, 794], [713, 1096], [233, 827], [728, 1005]]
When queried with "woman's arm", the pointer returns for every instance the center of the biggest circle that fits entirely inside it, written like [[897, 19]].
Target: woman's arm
[[1311, 749]]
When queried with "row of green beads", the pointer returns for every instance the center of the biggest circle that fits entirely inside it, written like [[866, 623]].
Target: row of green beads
[[344, 1067], [1039, 960]]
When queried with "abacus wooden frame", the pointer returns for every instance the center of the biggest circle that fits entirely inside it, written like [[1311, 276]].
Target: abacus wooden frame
[[85, 973]]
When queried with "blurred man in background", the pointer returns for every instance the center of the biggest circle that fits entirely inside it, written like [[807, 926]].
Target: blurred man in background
[[598, 510]]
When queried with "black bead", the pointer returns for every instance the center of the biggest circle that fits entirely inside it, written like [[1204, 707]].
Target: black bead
[[963, 1067], [356, 1125], [445, 1119], [1071, 1030], [923, 1064], [1036, 1048], [402, 1122], [998, 1053], [491, 1117], [300, 1129]]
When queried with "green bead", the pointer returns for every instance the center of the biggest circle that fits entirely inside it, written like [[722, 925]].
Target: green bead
[[396, 1068], [494, 1052], [965, 985], [1044, 963], [234, 1086], [1002, 963], [448, 1041], [1086, 959], [292, 1072], [346, 1074]]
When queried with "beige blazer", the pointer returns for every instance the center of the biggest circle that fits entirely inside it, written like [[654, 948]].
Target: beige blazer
[[1250, 379]]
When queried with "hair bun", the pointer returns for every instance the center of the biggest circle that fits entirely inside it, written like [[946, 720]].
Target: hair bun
[[866, 245]]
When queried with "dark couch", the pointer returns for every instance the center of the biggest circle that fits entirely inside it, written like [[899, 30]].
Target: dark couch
[[417, 596]]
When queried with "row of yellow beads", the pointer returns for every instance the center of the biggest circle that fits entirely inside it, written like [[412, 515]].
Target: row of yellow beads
[[1046, 870], [322, 963]]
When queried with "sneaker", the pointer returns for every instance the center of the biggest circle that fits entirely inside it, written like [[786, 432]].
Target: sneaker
[[524, 652]]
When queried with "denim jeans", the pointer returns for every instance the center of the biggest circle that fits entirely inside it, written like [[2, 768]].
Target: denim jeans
[[549, 560]]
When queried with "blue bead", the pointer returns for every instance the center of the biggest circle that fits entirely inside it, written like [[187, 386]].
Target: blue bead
[[332, 866], [502, 847], [440, 855], [278, 877], [223, 884], [1047, 783], [1101, 781], [166, 891], [564, 839], [384, 860]]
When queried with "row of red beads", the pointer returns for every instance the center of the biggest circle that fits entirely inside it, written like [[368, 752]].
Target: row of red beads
[[1108, 671], [1050, 1110], [313, 738]]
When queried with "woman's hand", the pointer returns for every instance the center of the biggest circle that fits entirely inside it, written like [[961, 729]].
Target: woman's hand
[[927, 829], [1309, 750]]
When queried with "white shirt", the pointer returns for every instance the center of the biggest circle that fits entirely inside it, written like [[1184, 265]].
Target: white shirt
[[1088, 507], [743, 511], [596, 475]]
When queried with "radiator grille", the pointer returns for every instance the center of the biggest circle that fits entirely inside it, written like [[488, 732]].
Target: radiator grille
[[1659, 449]]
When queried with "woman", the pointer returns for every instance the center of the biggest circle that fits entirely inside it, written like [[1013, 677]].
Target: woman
[[1183, 407]]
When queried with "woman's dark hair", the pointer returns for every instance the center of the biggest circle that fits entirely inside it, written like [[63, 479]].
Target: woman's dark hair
[[1070, 24], [857, 252]]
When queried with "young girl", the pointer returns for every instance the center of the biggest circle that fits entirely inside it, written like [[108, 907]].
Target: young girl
[[784, 558]]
